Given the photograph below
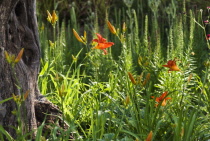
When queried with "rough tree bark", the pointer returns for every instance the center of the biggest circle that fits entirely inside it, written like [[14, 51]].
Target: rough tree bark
[[18, 29]]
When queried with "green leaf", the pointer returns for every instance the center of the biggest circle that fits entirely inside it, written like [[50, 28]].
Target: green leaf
[[5, 100], [6, 133], [44, 69]]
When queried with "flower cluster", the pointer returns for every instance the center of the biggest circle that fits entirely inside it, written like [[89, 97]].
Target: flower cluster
[[139, 79], [11, 59], [20, 98], [171, 64], [52, 18], [101, 42]]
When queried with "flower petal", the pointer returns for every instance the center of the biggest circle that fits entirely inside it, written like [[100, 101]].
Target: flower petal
[[166, 66], [105, 45], [163, 103], [100, 38], [95, 40]]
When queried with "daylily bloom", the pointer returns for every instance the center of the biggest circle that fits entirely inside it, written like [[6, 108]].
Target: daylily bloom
[[102, 43], [172, 65], [162, 99]]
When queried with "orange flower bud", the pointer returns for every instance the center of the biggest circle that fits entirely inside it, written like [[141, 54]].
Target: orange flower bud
[[54, 17], [139, 78], [19, 56], [147, 79], [148, 76], [78, 37], [111, 28], [84, 38], [149, 137], [144, 82], [132, 78], [26, 94]]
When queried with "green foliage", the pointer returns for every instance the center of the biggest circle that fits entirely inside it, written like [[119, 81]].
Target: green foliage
[[102, 103]]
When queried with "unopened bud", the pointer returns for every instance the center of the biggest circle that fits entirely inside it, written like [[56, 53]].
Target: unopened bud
[[132, 78], [111, 28], [19, 56]]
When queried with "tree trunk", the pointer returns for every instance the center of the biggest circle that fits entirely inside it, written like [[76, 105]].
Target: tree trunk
[[18, 29]]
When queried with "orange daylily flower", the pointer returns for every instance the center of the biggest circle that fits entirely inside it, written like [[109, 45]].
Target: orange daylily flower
[[162, 99], [172, 65], [102, 43]]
